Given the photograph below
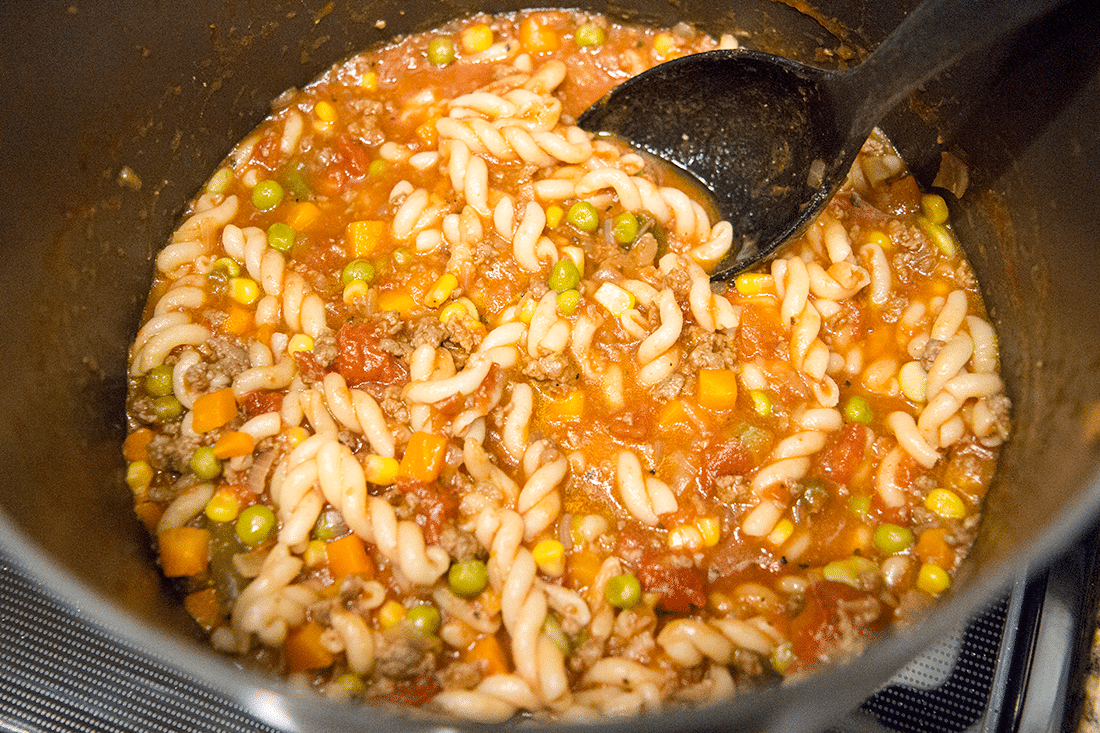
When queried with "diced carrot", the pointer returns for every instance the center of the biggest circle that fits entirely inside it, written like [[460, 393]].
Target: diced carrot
[[673, 413], [304, 650], [582, 567], [423, 459], [364, 237], [717, 389], [184, 551], [536, 36], [238, 320], [488, 649], [149, 512], [348, 556], [932, 548], [426, 131], [213, 410], [302, 214], [136, 445], [233, 444], [568, 408], [203, 607]]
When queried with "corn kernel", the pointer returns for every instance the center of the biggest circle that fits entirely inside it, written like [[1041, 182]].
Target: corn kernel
[[614, 298], [390, 613], [244, 290], [685, 537], [554, 215], [324, 111], [139, 475], [462, 308], [783, 530], [664, 44], [939, 234], [355, 291], [945, 503], [380, 470], [874, 236], [752, 283], [369, 81], [315, 554], [711, 530], [850, 571], [477, 38], [222, 507], [296, 436], [527, 309], [761, 403], [441, 290], [550, 557], [934, 207], [300, 342], [933, 579]]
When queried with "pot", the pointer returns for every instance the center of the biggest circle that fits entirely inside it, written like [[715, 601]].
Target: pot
[[116, 113]]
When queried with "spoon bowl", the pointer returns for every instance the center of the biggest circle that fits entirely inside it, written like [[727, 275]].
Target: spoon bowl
[[773, 139]]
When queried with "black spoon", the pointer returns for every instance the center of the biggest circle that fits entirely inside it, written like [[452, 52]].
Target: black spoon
[[773, 139]]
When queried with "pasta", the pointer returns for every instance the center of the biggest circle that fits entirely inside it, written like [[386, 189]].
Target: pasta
[[436, 399]]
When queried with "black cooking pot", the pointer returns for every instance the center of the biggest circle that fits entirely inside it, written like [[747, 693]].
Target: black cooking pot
[[115, 113]]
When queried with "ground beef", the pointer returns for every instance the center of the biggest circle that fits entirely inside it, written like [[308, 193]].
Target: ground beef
[[710, 350], [461, 676], [404, 655], [229, 358], [324, 348], [427, 330], [730, 489], [461, 545], [1001, 407], [170, 451], [669, 387], [558, 370], [931, 351], [142, 409]]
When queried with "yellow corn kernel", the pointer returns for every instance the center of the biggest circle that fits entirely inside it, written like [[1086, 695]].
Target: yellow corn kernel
[[315, 554], [476, 38], [554, 215], [850, 571], [244, 290], [369, 81], [300, 342], [753, 283], [354, 291], [939, 234], [364, 237], [711, 530], [614, 298], [324, 111], [296, 436], [783, 530], [462, 308], [302, 214], [219, 181], [934, 207], [945, 503], [380, 470], [761, 403], [664, 44], [527, 309], [933, 579], [390, 613], [874, 236], [139, 475], [685, 537], [441, 290], [396, 300], [550, 557], [222, 507], [427, 132]]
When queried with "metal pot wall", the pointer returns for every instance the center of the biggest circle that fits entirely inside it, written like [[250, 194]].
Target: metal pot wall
[[99, 97]]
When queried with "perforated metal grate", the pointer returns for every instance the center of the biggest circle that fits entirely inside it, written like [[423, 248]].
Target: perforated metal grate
[[58, 674]]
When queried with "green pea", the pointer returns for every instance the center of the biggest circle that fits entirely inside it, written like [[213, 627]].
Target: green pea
[[782, 656], [584, 216], [468, 578], [859, 504], [167, 408], [425, 619], [564, 275], [568, 302], [267, 195], [892, 538], [295, 184], [625, 228], [623, 591], [204, 464], [228, 265], [590, 34], [158, 381], [377, 168], [555, 633], [401, 256], [281, 236], [357, 270], [441, 51], [323, 528], [255, 524], [858, 409], [352, 683]]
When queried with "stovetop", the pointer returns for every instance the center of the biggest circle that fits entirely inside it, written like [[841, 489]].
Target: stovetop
[[1017, 665]]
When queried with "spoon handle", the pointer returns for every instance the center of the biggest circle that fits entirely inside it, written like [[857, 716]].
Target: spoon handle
[[931, 38]]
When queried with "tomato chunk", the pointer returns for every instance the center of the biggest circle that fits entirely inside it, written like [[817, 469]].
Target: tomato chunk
[[840, 459], [361, 360], [680, 588]]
